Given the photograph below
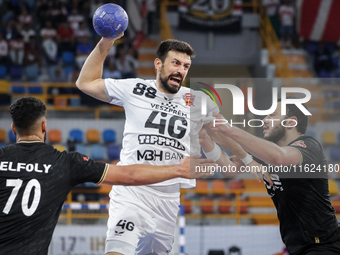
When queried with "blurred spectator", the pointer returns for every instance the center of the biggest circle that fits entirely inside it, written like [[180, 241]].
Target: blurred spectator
[[84, 10], [126, 63], [287, 14], [322, 59], [43, 12], [82, 31], [48, 32], [27, 31], [6, 12], [95, 4], [271, 7], [111, 72], [58, 75], [19, 5], [17, 50], [58, 12], [74, 19], [32, 56], [25, 18], [151, 7], [49, 44], [3, 51], [65, 37], [10, 31], [83, 49], [73, 76]]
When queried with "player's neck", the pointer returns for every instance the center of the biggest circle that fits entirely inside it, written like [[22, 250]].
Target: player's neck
[[290, 136], [26, 138]]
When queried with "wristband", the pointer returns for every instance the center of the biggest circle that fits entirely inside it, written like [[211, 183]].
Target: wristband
[[215, 153], [247, 159]]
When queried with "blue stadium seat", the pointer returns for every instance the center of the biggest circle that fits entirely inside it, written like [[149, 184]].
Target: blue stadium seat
[[113, 151], [35, 90], [334, 153], [3, 72], [109, 136], [330, 47], [335, 62], [336, 105], [15, 73], [68, 57], [325, 74], [337, 74], [77, 135], [97, 152], [18, 89], [81, 148], [76, 102], [32, 72], [68, 70], [12, 137], [312, 47]]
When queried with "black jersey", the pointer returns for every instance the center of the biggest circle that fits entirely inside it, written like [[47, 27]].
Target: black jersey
[[35, 179], [307, 218]]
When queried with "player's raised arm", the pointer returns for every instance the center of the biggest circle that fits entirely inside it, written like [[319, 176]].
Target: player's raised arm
[[141, 174], [90, 78]]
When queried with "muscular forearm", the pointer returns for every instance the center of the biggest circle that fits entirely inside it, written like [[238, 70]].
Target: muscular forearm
[[267, 151], [141, 174]]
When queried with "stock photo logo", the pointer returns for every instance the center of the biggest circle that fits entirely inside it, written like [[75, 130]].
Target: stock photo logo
[[208, 90]]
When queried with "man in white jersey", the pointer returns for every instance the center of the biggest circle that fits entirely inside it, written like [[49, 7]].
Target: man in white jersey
[[142, 219]]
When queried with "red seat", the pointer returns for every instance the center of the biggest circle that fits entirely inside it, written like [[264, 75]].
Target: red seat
[[224, 205], [207, 205]]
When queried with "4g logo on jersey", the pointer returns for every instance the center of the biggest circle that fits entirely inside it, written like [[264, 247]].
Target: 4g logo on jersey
[[129, 226], [161, 123]]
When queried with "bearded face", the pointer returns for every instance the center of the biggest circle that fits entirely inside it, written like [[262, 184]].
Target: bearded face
[[171, 83], [276, 133]]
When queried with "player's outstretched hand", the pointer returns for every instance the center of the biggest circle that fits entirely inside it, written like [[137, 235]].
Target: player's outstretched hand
[[109, 42], [196, 167], [220, 124]]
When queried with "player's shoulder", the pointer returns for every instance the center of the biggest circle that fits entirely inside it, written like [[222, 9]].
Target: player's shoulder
[[306, 142], [195, 93], [130, 81]]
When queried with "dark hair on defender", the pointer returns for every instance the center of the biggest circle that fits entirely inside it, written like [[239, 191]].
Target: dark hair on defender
[[302, 119], [26, 111], [175, 45]]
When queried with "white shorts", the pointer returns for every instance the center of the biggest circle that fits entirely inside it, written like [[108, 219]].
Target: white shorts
[[141, 221]]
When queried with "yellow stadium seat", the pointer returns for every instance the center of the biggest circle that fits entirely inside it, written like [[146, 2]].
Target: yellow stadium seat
[[328, 137], [59, 147], [92, 136], [252, 185], [333, 187]]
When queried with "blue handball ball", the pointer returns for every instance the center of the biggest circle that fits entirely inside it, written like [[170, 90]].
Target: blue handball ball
[[110, 20]]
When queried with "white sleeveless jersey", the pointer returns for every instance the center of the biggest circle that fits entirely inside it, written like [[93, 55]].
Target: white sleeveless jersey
[[158, 130]]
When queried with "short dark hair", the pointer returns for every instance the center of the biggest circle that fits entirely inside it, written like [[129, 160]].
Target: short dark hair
[[25, 112], [302, 119], [175, 45]]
